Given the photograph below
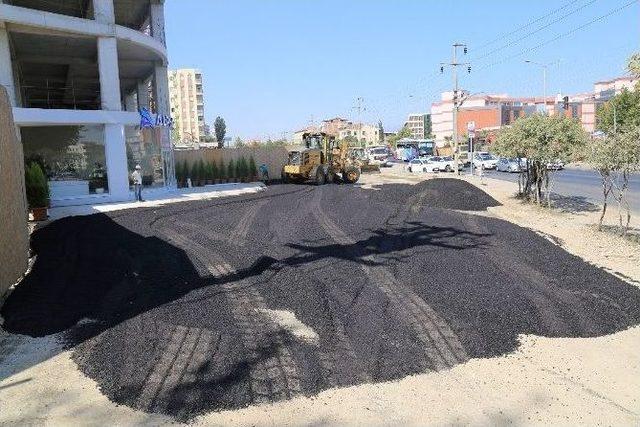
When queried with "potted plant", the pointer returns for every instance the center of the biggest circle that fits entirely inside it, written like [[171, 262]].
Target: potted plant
[[253, 170], [231, 171], [37, 189]]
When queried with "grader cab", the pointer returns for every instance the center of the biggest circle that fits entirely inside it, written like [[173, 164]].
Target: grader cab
[[320, 160]]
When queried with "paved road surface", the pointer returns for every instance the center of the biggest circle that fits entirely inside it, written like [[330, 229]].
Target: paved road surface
[[581, 183], [210, 305]]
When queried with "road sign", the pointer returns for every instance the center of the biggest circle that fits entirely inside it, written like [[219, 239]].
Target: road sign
[[471, 126], [472, 134]]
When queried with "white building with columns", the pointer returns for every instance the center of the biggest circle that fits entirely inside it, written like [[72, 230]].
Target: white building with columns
[[77, 73]]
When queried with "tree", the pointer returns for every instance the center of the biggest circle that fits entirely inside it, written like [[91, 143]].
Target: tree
[[405, 132], [623, 109], [633, 64], [238, 142], [380, 131], [541, 139], [220, 129], [626, 160]]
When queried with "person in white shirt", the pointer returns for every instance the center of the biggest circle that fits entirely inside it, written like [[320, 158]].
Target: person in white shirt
[[137, 182]]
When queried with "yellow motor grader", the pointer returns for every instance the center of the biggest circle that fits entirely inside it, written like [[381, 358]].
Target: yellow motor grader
[[321, 159]]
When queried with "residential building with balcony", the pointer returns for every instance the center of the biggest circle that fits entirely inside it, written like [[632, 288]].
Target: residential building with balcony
[[419, 124], [77, 73], [187, 105]]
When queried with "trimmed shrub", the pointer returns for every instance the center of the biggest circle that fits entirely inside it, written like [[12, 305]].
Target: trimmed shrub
[[36, 186], [253, 170], [202, 172], [215, 172], [231, 169]]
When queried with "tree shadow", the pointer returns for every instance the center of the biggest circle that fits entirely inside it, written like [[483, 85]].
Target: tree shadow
[[572, 204]]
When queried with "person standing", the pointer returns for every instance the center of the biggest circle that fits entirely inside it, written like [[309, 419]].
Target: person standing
[[137, 183]]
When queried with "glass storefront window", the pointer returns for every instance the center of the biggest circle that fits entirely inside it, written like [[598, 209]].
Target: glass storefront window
[[73, 158], [143, 148]]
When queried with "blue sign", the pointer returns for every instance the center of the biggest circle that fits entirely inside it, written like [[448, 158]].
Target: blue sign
[[147, 121]]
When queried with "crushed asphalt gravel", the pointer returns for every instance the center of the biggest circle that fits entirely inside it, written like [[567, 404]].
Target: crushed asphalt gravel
[[212, 305]]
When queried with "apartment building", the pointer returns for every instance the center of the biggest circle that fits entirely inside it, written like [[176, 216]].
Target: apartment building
[[187, 105], [77, 72], [419, 125], [491, 112], [362, 132]]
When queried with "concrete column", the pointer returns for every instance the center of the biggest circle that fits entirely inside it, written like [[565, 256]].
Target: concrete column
[[130, 102], [116, 155], [103, 11], [157, 20], [6, 67], [109, 73], [161, 90], [143, 94]]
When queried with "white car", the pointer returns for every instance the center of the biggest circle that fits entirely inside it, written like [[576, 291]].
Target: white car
[[422, 165], [447, 164], [508, 165], [485, 160]]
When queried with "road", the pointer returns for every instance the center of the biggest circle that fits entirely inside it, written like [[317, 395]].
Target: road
[[217, 305], [581, 183]]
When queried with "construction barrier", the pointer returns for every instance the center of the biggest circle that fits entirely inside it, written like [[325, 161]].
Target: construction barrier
[[14, 234]]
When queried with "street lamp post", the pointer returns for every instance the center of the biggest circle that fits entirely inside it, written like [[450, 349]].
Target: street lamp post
[[544, 80]]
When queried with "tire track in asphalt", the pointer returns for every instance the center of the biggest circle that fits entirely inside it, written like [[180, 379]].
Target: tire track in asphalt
[[335, 351], [273, 376], [185, 351], [442, 347]]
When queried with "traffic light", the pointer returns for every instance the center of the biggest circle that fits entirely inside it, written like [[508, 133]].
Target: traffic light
[[441, 69], [565, 102], [465, 50], [469, 69]]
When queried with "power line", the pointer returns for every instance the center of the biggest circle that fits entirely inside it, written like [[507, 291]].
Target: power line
[[529, 34], [553, 12], [572, 31]]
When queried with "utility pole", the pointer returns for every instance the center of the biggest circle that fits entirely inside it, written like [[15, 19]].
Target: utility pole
[[359, 107], [454, 64]]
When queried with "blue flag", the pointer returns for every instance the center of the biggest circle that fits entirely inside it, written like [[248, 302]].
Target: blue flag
[[145, 118]]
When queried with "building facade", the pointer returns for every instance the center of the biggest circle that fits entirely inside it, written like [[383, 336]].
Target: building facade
[[489, 113], [419, 124], [77, 74], [187, 105], [362, 132]]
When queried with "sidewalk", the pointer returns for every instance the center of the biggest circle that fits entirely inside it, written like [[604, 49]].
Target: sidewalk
[[160, 198]]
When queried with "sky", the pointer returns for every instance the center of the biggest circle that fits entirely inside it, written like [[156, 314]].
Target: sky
[[271, 67]]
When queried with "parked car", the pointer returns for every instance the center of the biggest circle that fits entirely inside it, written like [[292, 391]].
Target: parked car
[[486, 160], [555, 166], [508, 165], [422, 165], [447, 164]]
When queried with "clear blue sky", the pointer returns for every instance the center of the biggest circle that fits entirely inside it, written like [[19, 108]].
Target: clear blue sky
[[271, 65]]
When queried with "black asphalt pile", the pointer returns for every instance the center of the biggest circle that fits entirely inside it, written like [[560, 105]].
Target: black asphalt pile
[[207, 306], [92, 267], [445, 193]]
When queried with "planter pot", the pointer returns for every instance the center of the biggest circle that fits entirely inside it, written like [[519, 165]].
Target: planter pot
[[99, 190], [39, 214]]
